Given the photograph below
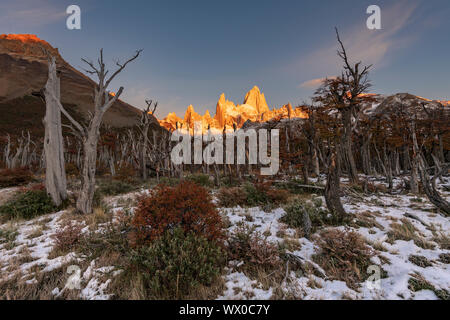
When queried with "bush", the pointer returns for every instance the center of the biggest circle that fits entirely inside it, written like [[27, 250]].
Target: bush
[[307, 216], [67, 237], [344, 256], [229, 181], [259, 194], [186, 205], [114, 187], [28, 205], [257, 253], [231, 197], [201, 179], [176, 263], [15, 177], [168, 181]]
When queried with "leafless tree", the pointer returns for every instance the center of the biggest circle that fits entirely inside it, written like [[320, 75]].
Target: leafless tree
[[55, 173], [144, 126], [103, 100], [343, 94]]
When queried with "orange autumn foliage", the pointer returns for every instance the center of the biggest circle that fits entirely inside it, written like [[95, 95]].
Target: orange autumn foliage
[[187, 205]]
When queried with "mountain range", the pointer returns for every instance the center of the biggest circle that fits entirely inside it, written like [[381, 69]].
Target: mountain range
[[228, 114], [23, 72]]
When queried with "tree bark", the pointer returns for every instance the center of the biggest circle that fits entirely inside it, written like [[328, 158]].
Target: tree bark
[[347, 145], [86, 196], [332, 190], [430, 189], [55, 173]]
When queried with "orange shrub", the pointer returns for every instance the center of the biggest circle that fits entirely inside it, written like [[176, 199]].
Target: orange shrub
[[186, 205]]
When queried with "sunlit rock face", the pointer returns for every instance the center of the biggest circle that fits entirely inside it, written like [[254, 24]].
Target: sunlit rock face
[[229, 115]]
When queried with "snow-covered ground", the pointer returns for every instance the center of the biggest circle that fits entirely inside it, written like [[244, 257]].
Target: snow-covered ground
[[34, 241]]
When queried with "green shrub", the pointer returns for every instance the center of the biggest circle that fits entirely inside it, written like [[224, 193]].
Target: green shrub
[[176, 263], [255, 196], [307, 216], [114, 187], [252, 195], [229, 181], [27, 205], [201, 179], [168, 181]]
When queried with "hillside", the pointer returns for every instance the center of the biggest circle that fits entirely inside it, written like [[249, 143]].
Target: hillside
[[23, 71]]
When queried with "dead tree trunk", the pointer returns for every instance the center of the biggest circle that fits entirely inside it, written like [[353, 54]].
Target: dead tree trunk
[[55, 173], [347, 145], [414, 183], [429, 188], [103, 100], [333, 190], [144, 126]]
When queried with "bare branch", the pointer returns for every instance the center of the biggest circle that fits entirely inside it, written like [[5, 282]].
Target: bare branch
[[121, 67]]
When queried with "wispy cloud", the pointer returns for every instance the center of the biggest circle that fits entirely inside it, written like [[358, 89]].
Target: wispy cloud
[[369, 46], [19, 15], [314, 83]]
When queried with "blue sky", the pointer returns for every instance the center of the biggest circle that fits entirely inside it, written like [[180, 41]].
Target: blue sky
[[195, 50]]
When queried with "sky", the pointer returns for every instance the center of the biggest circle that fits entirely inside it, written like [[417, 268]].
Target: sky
[[195, 50]]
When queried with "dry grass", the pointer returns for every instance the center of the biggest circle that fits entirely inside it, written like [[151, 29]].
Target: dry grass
[[45, 282], [344, 255], [37, 232], [9, 233], [444, 258], [420, 261], [417, 283], [367, 219], [442, 240], [407, 232]]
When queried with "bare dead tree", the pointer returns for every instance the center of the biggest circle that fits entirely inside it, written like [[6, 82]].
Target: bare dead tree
[[55, 173], [429, 187], [144, 127], [103, 100], [343, 93], [332, 189]]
